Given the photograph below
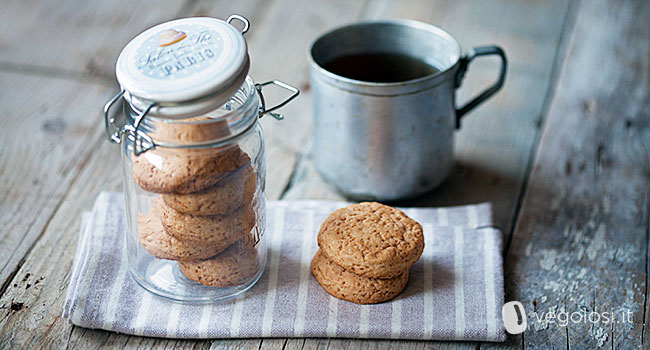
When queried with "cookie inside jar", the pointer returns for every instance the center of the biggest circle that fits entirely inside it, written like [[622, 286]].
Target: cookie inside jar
[[196, 201], [205, 201]]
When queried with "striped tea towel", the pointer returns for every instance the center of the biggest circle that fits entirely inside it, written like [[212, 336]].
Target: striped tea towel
[[455, 291]]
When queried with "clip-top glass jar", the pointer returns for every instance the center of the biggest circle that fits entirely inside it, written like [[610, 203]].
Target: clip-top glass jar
[[193, 159]]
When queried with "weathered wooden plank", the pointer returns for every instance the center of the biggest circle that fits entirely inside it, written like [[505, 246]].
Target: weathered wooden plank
[[278, 51], [494, 146], [336, 344], [581, 242], [75, 36], [307, 344], [48, 131], [38, 323], [253, 10], [236, 344]]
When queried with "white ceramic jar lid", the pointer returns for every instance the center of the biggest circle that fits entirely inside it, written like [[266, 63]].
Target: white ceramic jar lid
[[184, 67]]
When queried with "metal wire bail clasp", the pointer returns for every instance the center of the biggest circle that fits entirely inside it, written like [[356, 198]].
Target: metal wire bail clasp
[[112, 131], [263, 110], [243, 19], [142, 141]]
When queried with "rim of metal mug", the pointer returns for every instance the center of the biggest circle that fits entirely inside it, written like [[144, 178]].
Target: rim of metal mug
[[426, 81]]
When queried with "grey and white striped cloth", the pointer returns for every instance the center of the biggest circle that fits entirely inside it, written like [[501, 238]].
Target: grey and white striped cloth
[[455, 291]]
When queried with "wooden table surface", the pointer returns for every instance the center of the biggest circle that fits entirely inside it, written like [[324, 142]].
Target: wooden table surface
[[562, 151]]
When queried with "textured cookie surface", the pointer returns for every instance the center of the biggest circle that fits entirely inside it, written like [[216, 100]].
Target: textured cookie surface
[[234, 266], [371, 239], [346, 285], [218, 231], [163, 246], [189, 130], [185, 171], [223, 197]]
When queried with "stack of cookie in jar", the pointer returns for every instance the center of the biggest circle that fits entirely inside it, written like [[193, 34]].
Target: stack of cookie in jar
[[205, 216], [366, 251]]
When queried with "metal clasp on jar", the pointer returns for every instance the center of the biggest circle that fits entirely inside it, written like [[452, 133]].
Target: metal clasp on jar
[[143, 142], [263, 110]]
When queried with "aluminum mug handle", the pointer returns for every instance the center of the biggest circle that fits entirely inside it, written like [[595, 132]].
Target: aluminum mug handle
[[487, 93]]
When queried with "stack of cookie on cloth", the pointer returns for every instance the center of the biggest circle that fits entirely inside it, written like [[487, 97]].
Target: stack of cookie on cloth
[[366, 251], [205, 216]]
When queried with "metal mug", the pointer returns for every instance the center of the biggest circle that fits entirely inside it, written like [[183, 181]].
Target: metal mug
[[389, 141]]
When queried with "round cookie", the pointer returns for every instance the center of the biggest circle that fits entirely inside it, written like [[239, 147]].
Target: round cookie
[[346, 285], [231, 192], [371, 239], [215, 230], [185, 171], [163, 246], [232, 267]]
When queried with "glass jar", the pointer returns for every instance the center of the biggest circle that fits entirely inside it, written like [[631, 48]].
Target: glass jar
[[194, 166]]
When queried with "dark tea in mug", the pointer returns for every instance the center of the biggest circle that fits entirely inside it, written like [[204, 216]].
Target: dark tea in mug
[[380, 67]]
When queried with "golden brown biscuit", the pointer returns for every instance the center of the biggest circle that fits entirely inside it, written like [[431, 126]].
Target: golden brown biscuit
[[163, 246], [185, 171], [233, 191], [371, 239], [215, 230], [346, 285], [188, 131], [232, 267]]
